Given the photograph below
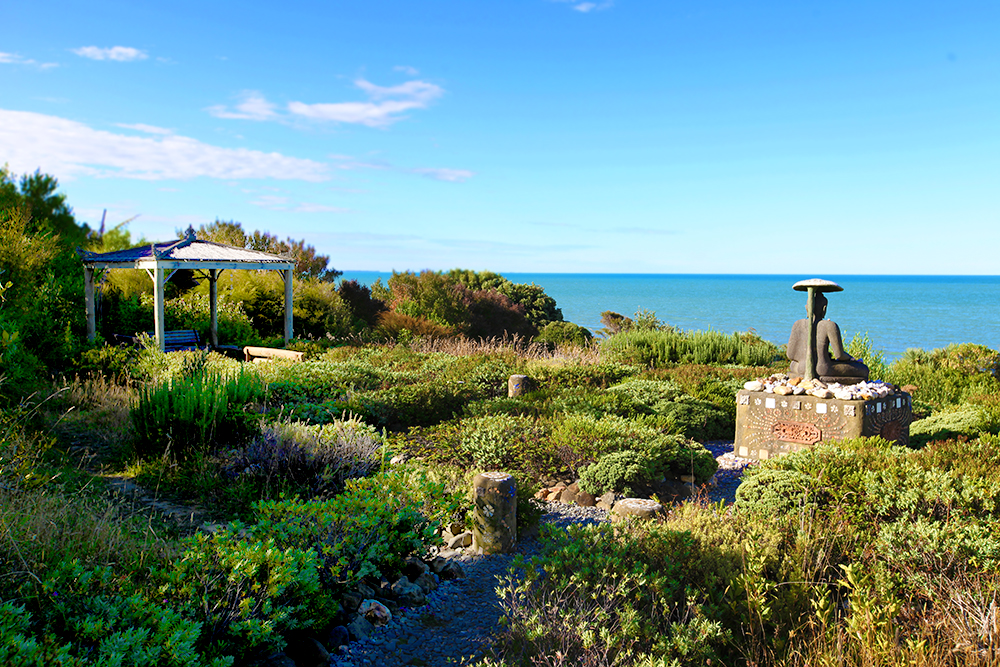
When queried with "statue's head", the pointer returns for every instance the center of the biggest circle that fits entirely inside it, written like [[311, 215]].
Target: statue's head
[[819, 306]]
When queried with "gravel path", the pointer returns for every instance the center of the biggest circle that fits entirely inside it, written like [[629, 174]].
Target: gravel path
[[457, 624]]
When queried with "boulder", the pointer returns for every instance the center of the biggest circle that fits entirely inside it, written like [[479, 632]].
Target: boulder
[[376, 612], [642, 508], [408, 593]]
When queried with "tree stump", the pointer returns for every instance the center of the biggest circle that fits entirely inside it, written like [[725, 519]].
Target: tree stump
[[494, 525], [518, 385]]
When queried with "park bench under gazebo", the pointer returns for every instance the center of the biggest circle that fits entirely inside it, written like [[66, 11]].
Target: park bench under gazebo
[[162, 260]]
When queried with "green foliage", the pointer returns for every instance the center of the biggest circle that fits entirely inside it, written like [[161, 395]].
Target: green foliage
[[564, 333], [493, 441], [861, 347], [773, 493], [656, 348], [308, 264], [622, 471], [245, 592], [539, 308], [601, 596], [559, 374], [964, 420], [194, 412], [89, 616], [948, 376]]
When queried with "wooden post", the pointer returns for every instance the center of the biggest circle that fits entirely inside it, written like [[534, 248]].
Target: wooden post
[[213, 298], [494, 525], [88, 290], [288, 306], [811, 350], [159, 311]]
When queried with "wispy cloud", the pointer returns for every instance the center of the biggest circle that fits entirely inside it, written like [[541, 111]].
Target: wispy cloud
[[254, 106], [15, 59], [443, 174], [646, 231], [406, 69], [142, 127], [68, 148], [279, 203], [117, 53], [587, 6], [386, 104]]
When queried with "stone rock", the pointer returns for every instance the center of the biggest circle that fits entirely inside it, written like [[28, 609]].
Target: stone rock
[[783, 390], [351, 600], [569, 494], [279, 660], [399, 458], [338, 636], [376, 612], [452, 570], [427, 582], [584, 499], [449, 553], [413, 567], [408, 593], [360, 629], [754, 385], [607, 501], [642, 508], [389, 604], [541, 494], [365, 591], [460, 541], [307, 652]]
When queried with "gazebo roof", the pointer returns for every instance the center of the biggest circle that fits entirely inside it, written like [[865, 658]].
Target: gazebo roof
[[188, 253]]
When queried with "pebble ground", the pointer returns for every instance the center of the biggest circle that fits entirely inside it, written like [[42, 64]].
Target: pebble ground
[[457, 625]]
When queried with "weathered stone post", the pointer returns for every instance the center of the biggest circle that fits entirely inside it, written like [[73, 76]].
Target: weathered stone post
[[518, 385], [494, 523]]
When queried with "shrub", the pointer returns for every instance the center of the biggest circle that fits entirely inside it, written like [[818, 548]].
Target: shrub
[[492, 441], [564, 333], [360, 302], [555, 374], [312, 461], [661, 347], [948, 376], [964, 420], [194, 412], [402, 328], [776, 493], [617, 471], [861, 347]]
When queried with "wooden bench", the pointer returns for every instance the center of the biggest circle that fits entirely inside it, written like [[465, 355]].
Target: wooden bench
[[265, 353], [173, 341]]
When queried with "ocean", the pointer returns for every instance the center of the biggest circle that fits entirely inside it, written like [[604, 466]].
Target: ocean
[[897, 312]]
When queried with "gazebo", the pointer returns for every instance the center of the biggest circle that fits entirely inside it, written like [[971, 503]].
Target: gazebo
[[162, 260]]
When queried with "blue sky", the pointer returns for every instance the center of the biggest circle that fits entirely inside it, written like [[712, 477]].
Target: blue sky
[[527, 135]]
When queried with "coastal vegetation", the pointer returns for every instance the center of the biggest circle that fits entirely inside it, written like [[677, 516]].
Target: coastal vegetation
[[858, 552]]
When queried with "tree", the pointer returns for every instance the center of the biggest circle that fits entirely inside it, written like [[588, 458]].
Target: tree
[[308, 264]]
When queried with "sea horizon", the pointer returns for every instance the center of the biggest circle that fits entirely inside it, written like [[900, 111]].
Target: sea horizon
[[897, 311]]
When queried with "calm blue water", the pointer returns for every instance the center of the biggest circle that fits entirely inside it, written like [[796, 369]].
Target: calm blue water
[[897, 312]]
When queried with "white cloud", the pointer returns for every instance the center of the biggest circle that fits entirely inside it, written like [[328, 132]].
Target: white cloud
[[587, 7], [279, 203], [118, 53], [66, 148], [142, 127], [407, 70], [253, 107], [443, 174], [384, 108], [15, 59]]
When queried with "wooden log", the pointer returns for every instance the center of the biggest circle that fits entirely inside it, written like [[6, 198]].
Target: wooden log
[[251, 353], [494, 525]]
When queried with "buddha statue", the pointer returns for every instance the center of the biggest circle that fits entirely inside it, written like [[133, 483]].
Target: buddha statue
[[833, 363]]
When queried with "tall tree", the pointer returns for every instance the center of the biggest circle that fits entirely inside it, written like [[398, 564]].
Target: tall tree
[[308, 264]]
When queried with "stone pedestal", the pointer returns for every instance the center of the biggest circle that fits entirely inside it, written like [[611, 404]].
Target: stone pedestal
[[768, 425], [494, 523], [518, 385]]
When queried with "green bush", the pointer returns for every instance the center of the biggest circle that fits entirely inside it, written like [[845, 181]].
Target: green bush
[[559, 375], [654, 348], [562, 333], [618, 471], [493, 442], [196, 412], [963, 420], [776, 493], [947, 376]]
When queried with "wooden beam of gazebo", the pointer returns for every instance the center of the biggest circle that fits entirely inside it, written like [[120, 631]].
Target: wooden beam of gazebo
[[160, 260]]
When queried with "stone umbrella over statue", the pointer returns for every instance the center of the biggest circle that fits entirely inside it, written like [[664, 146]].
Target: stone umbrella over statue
[[815, 346]]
